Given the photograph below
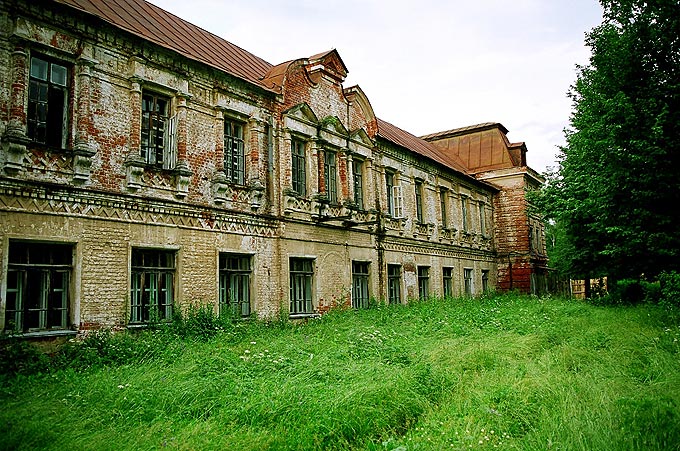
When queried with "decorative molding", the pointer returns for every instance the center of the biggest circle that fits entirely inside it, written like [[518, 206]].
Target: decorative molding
[[130, 210]]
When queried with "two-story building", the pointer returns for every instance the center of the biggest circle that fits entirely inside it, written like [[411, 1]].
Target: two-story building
[[147, 164]]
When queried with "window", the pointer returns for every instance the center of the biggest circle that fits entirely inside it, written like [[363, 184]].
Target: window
[[398, 202], [394, 284], [395, 200], [358, 183], [443, 193], [234, 157], [38, 282], [423, 282], [485, 280], [298, 169], [330, 172], [158, 132], [467, 279], [482, 219], [152, 283], [419, 200], [234, 285], [301, 277], [447, 276], [47, 117], [360, 272], [463, 203], [389, 189]]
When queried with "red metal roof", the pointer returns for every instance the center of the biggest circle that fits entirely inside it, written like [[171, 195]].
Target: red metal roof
[[152, 23], [465, 130], [411, 142]]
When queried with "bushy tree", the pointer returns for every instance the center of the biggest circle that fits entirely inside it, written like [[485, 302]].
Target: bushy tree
[[616, 193]]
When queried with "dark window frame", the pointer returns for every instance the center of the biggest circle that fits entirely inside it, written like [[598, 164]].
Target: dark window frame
[[234, 151], [423, 282], [235, 274], [156, 132], [360, 284], [38, 290], [301, 285], [358, 179], [330, 171], [298, 171], [152, 284], [468, 281], [443, 197], [49, 102], [447, 281], [394, 284], [418, 188]]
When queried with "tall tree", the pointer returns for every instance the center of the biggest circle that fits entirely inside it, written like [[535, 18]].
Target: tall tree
[[616, 192]]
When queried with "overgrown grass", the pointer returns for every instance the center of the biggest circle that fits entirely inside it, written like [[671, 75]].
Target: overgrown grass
[[506, 372]]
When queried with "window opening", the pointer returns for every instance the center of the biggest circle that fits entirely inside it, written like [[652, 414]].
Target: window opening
[[234, 285], [48, 103]]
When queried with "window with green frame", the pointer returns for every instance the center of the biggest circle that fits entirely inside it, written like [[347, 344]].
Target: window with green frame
[[152, 285], [234, 153], [360, 274], [38, 286], [394, 284], [301, 279], [234, 284]]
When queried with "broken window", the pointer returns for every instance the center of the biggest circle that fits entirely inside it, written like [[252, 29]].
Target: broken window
[[48, 97], [234, 285], [159, 132], [482, 219], [485, 280], [301, 278], [234, 154], [152, 281], [38, 286]]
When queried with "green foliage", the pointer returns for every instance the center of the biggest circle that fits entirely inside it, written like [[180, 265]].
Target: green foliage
[[670, 288], [200, 322], [504, 372], [615, 193], [18, 356]]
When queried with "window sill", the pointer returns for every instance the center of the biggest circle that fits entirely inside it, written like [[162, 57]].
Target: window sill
[[44, 333], [303, 315]]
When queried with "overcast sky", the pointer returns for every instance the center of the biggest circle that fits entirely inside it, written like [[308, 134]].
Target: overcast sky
[[429, 65]]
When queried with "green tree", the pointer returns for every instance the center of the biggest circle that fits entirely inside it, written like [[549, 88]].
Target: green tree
[[616, 193]]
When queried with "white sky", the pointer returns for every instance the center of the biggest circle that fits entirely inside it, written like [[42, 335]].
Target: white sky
[[429, 65]]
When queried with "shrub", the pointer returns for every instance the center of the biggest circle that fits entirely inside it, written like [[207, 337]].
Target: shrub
[[200, 322], [669, 283], [18, 356]]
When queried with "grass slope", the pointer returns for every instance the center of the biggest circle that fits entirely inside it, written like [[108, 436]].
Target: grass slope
[[507, 372]]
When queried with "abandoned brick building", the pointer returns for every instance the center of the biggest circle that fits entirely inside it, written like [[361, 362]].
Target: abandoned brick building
[[147, 164]]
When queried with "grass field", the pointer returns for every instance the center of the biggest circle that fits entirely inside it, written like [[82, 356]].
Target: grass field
[[507, 372]]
